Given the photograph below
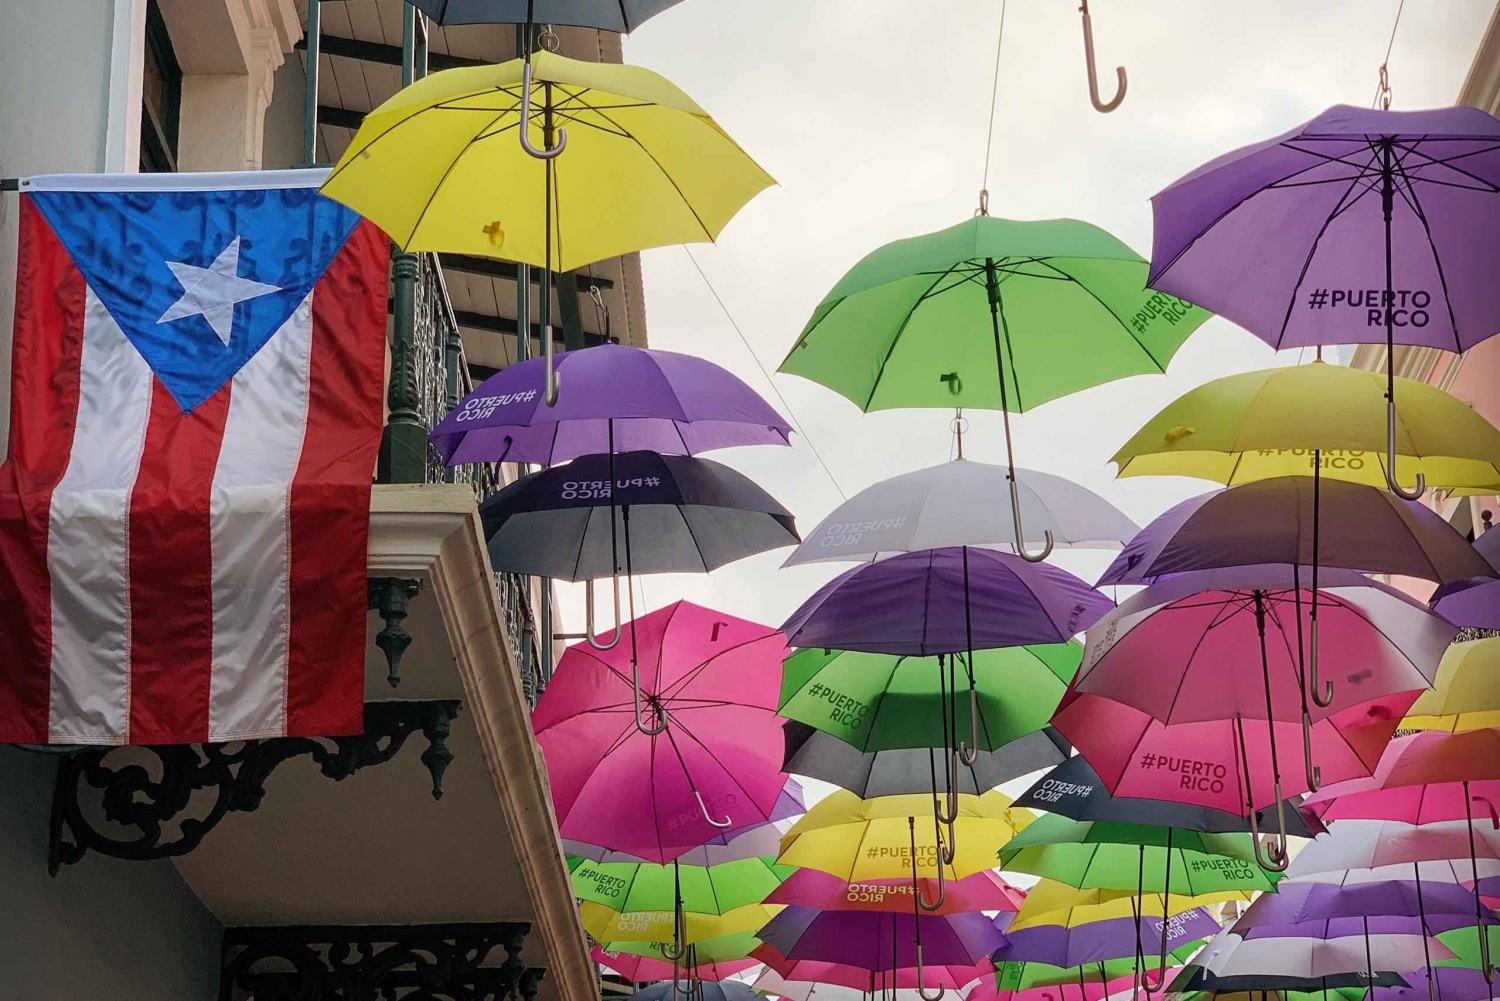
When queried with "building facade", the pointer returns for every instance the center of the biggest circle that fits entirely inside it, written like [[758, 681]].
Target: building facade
[[424, 856]]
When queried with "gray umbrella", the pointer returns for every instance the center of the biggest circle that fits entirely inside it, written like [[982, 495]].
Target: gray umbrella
[[609, 15], [820, 755], [672, 514]]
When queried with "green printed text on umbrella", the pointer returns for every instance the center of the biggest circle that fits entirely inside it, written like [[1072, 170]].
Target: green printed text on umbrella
[[882, 702], [1105, 855], [719, 889], [910, 325]]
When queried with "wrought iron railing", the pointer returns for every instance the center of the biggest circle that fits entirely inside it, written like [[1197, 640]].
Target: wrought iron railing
[[428, 350]]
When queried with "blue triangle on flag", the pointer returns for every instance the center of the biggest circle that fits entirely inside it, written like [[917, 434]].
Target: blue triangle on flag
[[198, 280]]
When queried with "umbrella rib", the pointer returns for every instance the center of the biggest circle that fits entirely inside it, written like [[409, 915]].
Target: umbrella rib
[[1413, 150], [1312, 252], [671, 739], [1182, 679], [697, 546], [393, 127], [682, 682], [670, 179], [437, 188], [1437, 261], [1090, 292], [896, 338]]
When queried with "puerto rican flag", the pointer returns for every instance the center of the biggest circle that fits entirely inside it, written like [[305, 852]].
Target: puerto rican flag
[[195, 413]]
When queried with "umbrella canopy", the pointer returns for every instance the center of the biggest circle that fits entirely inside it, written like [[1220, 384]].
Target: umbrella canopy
[[911, 324], [1474, 603], [719, 889], [1464, 944], [871, 774], [862, 839], [1255, 425], [1452, 983], [1326, 994], [437, 166], [728, 949], [983, 891], [753, 840], [1465, 695], [1068, 983], [1416, 764], [1076, 940], [1369, 844], [1294, 238], [1116, 856], [1194, 981], [1458, 872], [913, 604], [1252, 964], [608, 925], [640, 969], [620, 399], [885, 701], [607, 15], [1296, 902], [711, 678], [935, 507], [1073, 789], [729, 990], [1122, 987], [1051, 901], [881, 941], [671, 514], [1270, 521], [770, 983], [861, 978]]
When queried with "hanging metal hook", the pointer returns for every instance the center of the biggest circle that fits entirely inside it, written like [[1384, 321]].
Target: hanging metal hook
[[722, 825], [916, 887], [1390, 458], [1015, 513], [1314, 773], [1323, 698], [589, 634], [1088, 55], [1271, 856], [661, 714], [921, 990], [1166, 899], [562, 134]]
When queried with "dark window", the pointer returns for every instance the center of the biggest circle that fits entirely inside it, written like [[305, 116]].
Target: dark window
[[161, 97]]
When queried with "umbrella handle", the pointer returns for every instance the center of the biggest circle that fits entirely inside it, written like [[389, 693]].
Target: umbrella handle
[[562, 134], [922, 991], [1390, 458], [969, 755], [1272, 856], [640, 724], [1494, 815], [916, 888], [1015, 514], [1314, 773], [588, 613], [722, 825], [1088, 55], [1323, 698]]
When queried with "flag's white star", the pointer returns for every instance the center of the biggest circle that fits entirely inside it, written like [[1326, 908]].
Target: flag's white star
[[212, 292]]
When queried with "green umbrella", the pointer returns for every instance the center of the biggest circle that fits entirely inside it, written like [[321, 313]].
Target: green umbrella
[[1106, 855], [719, 949], [1464, 942], [991, 314], [719, 889], [883, 702], [1019, 975]]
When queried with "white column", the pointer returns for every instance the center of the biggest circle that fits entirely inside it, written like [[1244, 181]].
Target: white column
[[127, 53]]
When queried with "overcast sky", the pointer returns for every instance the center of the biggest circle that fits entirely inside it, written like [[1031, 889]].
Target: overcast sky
[[871, 115]]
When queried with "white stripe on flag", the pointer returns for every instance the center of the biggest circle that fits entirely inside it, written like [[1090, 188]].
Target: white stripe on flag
[[248, 525], [88, 539]]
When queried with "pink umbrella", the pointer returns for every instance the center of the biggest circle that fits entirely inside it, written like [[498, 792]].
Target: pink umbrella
[[1199, 654], [1089, 990], [710, 682], [983, 891], [644, 969], [950, 977]]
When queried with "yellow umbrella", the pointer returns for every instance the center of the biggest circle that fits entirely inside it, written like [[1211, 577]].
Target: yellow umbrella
[[894, 837], [1466, 693], [614, 159], [1054, 902], [1253, 426], [608, 925]]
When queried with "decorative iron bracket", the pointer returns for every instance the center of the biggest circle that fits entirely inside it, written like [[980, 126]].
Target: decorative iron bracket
[[376, 963], [147, 800], [389, 596]]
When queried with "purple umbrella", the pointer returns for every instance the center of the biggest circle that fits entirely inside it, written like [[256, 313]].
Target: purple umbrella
[[872, 940], [620, 399], [1359, 226], [1454, 983], [1475, 602], [1376, 924], [1296, 903], [914, 605], [1100, 941]]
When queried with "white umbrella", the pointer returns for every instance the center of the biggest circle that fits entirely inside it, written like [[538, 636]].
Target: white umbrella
[[964, 503], [1229, 955], [1373, 844], [770, 982]]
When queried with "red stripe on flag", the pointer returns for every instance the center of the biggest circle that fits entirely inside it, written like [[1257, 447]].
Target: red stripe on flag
[[330, 495], [46, 353], [171, 570]]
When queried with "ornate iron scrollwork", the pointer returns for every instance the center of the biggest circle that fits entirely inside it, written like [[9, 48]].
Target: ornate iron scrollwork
[[149, 800], [389, 596], [376, 963]]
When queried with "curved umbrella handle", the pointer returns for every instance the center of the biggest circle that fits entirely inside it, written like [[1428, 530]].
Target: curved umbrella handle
[[1314, 773], [969, 755], [562, 134], [916, 887], [588, 615], [722, 825], [1088, 55], [921, 990], [1274, 858], [1324, 699], [640, 724], [1015, 513], [1494, 814], [1390, 458], [552, 382]]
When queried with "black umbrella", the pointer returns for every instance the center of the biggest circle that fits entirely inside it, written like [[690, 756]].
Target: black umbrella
[[672, 514], [609, 15], [910, 771], [1196, 978], [1075, 790]]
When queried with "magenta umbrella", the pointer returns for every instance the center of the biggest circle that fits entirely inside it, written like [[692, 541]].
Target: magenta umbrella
[[710, 682], [1197, 655]]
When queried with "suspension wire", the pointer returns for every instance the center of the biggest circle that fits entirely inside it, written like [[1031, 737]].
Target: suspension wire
[[989, 135], [791, 414], [1383, 89]]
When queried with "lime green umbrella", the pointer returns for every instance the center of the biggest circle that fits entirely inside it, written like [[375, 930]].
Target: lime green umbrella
[[991, 314], [1464, 943], [719, 949], [1020, 975], [882, 702], [1107, 855], [629, 887]]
